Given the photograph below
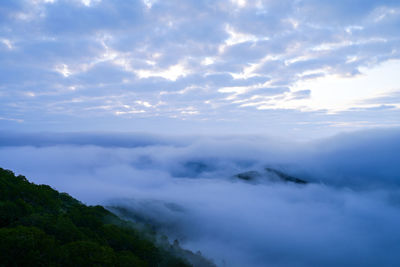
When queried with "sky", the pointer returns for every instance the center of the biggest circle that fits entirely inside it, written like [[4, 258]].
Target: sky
[[301, 68]]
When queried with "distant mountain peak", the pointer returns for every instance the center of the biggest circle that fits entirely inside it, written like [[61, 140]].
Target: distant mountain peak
[[270, 175]]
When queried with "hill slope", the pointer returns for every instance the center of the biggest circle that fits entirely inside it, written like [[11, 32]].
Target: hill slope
[[42, 227]]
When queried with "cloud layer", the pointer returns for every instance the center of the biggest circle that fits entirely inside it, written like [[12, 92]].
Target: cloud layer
[[195, 65], [347, 215]]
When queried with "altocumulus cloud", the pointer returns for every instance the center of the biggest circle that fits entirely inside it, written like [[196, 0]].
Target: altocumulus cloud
[[347, 215], [69, 64]]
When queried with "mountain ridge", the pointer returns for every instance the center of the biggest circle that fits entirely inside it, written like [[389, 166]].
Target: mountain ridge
[[53, 229]]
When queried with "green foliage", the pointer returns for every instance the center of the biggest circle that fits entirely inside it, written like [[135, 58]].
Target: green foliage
[[42, 227], [87, 253], [26, 246]]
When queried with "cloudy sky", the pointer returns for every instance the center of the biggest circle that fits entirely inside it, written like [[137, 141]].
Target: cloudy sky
[[305, 67]]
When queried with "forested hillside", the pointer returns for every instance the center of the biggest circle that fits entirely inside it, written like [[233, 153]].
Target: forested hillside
[[42, 227]]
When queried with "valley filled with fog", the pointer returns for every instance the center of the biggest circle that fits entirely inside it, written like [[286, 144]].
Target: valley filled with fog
[[345, 214]]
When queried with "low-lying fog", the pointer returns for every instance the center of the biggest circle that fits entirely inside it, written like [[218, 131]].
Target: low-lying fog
[[347, 215]]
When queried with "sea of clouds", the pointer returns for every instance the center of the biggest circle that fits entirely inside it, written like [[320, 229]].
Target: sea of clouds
[[348, 215]]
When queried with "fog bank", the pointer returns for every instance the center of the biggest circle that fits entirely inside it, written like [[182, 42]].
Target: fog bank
[[347, 215]]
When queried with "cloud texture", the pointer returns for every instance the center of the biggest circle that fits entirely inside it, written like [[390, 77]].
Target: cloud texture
[[347, 216], [197, 65]]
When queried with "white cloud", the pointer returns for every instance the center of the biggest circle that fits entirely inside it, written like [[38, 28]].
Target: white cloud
[[7, 43], [187, 186], [144, 103], [89, 3], [186, 54], [63, 69], [208, 61], [239, 3], [172, 73]]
